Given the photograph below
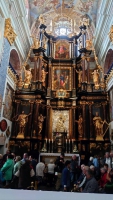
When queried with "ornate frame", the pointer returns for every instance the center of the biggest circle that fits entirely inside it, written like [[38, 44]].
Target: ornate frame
[[63, 69]]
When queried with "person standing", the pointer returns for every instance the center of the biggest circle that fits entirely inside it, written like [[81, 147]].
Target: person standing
[[51, 167], [7, 169], [73, 169], [59, 167], [66, 178]]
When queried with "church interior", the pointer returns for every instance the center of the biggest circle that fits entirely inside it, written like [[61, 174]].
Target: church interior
[[56, 77]]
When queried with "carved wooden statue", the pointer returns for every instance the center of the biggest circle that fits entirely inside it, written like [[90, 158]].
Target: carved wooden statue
[[28, 77], [40, 123], [22, 120], [43, 76], [98, 123], [80, 125], [96, 78], [79, 76]]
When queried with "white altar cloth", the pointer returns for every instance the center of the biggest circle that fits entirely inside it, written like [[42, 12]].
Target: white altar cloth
[[8, 194], [66, 157]]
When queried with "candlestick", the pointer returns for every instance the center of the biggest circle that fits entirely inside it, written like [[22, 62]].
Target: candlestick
[[49, 146], [66, 145], [69, 145], [52, 146]]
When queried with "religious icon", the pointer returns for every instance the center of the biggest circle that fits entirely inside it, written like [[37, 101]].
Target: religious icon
[[62, 50]]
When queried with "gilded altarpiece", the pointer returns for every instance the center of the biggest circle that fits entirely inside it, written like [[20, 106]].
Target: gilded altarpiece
[[60, 121]]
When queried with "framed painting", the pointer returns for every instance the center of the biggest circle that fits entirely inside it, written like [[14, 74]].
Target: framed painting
[[7, 112], [62, 50], [61, 78]]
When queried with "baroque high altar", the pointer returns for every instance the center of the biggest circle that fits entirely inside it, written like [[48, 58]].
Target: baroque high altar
[[61, 104]]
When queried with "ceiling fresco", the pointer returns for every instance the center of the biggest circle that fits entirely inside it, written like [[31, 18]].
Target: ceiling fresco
[[71, 9]]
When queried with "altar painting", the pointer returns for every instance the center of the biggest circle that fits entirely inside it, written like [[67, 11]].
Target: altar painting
[[60, 121], [61, 78], [62, 50], [7, 112]]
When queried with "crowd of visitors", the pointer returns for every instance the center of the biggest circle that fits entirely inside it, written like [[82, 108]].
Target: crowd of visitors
[[96, 177]]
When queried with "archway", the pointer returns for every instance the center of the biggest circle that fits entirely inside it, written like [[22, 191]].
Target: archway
[[14, 61], [108, 60]]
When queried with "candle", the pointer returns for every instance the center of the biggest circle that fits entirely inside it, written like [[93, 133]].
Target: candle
[[66, 140], [52, 140], [69, 140], [46, 140], [49, 140]]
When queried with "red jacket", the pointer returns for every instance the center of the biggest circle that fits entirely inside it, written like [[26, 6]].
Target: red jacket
[[103, 180]]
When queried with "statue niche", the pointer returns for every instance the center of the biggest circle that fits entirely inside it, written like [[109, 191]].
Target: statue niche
[[98, 124], [22, 121]]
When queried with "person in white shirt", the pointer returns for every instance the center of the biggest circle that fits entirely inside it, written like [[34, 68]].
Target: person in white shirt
[[107, 159], [51, 167], [40, 171]]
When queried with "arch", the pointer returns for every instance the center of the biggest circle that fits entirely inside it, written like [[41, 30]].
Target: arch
[[108, 60], [14, 61]]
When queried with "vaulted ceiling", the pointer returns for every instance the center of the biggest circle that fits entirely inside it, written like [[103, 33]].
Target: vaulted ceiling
[[71, 9]]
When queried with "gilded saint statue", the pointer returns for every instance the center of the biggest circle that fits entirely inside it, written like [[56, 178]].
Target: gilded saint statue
[[98, 124], [41, 19], [40, 123], [28, 76], [36, 43], [96, 78], [20, 82], [80, 125], [22, 120], [43, 76], [79, 72]]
